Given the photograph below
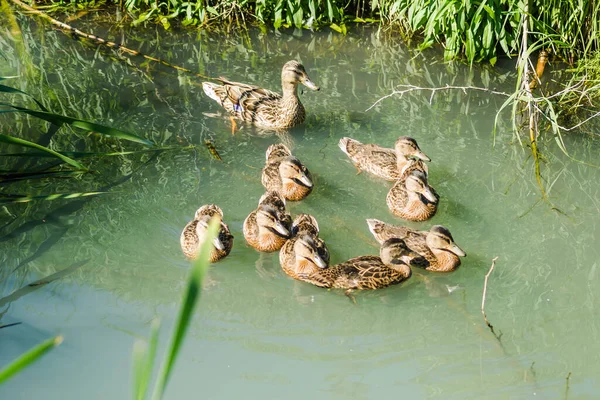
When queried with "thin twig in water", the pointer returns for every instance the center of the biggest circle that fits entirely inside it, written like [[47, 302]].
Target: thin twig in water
[[413, 88], [483, 299], [567, 386]]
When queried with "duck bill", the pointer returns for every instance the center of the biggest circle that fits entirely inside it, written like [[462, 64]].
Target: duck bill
[[429, 195], [409, 257], [218, 244], [305, 180], [310, 84], [282, 230], [457, 250], [319, 262], [422, 156]]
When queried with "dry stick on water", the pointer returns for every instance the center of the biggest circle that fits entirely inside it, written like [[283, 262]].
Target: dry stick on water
[[567, 386], [105, 42], [483, 299]]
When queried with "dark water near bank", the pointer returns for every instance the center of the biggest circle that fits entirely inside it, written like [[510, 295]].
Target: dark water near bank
[[258, 333]]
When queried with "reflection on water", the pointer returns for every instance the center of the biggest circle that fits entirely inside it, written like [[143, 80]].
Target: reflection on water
[[257, 331]]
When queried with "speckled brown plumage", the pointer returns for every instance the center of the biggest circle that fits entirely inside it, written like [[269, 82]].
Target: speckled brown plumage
[[412, 198], [436, 246], [304, 226], [193, 234], [268, 227], [383, 162], [286, 174], [365, 272], [263, 107]]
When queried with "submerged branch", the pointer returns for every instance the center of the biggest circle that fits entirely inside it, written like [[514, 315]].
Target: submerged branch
[[102, 41], [413, 88]]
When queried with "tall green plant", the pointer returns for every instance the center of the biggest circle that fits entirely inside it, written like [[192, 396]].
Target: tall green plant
[[29, 357], [143, 353]]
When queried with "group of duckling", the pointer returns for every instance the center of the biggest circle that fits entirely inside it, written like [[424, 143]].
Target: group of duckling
[[303, 254]]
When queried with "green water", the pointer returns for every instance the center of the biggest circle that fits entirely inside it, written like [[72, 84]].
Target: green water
[[258, 333]]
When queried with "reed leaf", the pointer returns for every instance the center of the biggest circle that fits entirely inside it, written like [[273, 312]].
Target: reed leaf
[[143, 361], [21, 142], [78, 123], [8, 199], [194, 287], [8, 89], [29, 357]]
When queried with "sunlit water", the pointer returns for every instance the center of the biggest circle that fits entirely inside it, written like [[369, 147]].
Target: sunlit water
[[258, 333]]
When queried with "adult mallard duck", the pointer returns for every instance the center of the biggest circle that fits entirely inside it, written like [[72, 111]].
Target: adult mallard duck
[[436, 246], [261, 106], [285, 173], [385, 163], [194, 232], [412, 198], [268, 227], [304, 226], [366, 272]]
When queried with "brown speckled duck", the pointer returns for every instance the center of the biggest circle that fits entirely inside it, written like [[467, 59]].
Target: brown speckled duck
[[436, 246], [412, 198], [261, 106], [286, 174], [195, 230], [366, 272], [268, 227], [305, 226], [390, 164]]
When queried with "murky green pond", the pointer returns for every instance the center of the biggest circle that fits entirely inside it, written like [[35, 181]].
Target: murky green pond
[[258, 333]]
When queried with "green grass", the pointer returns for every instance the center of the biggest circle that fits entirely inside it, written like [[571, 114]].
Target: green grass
[[477, 30], [29, 358]]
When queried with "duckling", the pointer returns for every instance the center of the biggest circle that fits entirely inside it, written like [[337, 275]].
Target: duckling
[[195, 230], [305, 226], [268, 227], [261, 106], [436, 246], [365, 272], [412, 198], [385, 163], [286, 174]]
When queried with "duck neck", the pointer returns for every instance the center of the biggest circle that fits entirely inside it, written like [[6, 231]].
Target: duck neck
[[401, 161], [290, 91], [446, 260]]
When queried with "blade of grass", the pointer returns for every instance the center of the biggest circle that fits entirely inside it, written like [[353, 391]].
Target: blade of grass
[[143, 361], [26, 199], [21, 142], [8, 89], [192, 293], [29, 357], [78, 123], [21, 176]]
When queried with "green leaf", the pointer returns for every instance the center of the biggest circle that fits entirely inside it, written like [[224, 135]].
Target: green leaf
[[26, 143], [29, 357], [336, 28], [55, 196], [78, 123], [143, 362], [194, 286], [8, 89]]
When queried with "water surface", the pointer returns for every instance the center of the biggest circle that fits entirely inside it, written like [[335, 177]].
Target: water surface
[[257, 332]]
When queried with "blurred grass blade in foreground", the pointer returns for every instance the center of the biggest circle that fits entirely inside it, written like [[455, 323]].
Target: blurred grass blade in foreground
[[29, 357]]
